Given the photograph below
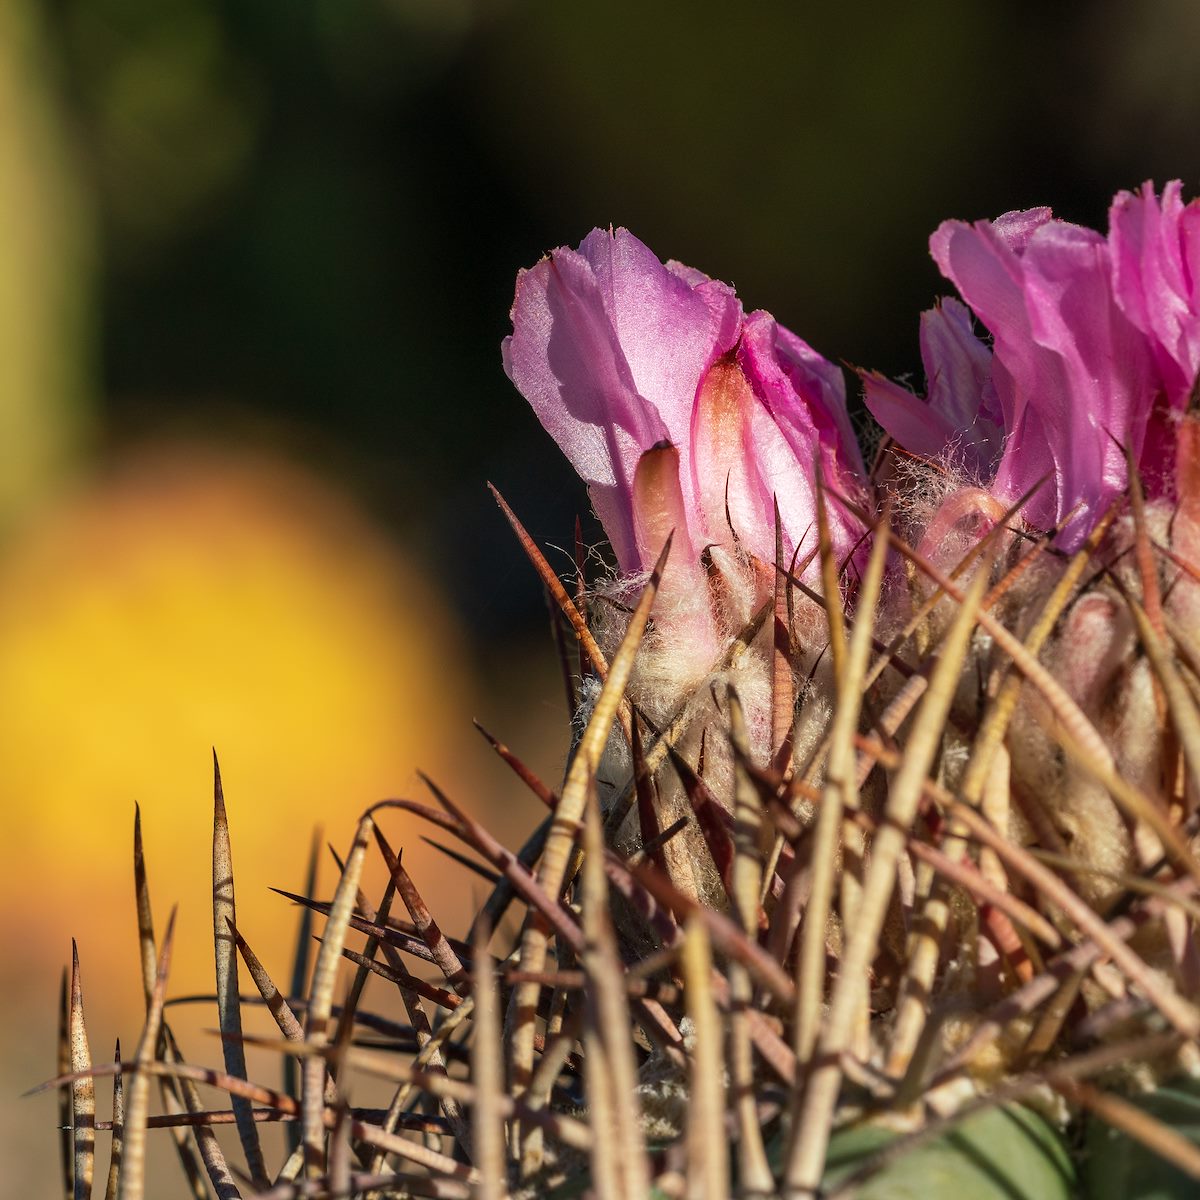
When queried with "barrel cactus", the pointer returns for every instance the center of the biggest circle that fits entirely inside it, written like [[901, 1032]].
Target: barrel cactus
[[874, 866]]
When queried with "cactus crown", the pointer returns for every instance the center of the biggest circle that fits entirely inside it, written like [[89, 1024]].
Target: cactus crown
[[874, 864]]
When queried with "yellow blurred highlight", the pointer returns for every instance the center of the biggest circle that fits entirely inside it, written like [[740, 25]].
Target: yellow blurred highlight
[[191, 601], [188, 600]]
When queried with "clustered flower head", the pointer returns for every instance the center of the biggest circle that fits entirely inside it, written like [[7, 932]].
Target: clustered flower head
[[1095, 346], [681, 412], [684, 415]]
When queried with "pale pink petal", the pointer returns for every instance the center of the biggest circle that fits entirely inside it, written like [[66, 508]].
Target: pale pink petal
[[801, 418], [818, 390], [637, 369], [723, 476], [669, 329], [692, 276], [791, 482], [659, 513], [565, 359], [1015, 228]]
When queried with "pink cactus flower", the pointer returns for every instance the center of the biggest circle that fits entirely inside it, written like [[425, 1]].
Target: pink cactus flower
[[1095, 341], [1155, 246], [680, 412]]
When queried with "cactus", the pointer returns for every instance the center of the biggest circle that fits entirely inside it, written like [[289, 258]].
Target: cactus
[[874, 867]]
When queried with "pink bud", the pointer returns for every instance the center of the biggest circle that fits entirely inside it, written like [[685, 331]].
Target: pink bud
[[620, 355]]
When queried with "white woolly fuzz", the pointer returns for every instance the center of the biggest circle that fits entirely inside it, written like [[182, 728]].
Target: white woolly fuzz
[[1093, 653], [683, 678]]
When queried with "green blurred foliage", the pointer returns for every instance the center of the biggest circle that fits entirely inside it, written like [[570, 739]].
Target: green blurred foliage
[[170, 109], [995, 1154], [1119, 1167], [46, 348]]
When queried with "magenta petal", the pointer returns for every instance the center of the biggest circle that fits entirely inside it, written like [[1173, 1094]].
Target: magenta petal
[[1091, 364], [911, 421], [959, 417], [801, 418], [1036, 466], [958, 373], [1071, 373], [1155, 249], [986, 271]]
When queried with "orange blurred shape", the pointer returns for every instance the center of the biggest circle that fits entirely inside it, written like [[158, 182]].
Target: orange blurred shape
[[187, 600]]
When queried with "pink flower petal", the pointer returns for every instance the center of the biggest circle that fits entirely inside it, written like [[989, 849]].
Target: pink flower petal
[[801, 416], [911, 421], [1156, 276], [1071, 373], [669, 329], [673, 408], [731, 436], [608, 347], [659, 512], [1015, 228], [959, 416], [958, 370], [816, 401], [565, 359]]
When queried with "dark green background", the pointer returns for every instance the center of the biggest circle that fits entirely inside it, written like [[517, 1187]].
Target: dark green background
[[312, 211]]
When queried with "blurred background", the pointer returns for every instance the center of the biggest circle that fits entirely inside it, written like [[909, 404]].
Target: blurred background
[[256, 259]]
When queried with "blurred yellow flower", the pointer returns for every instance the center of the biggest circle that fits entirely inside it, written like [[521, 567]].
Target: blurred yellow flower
[[186, 601]]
